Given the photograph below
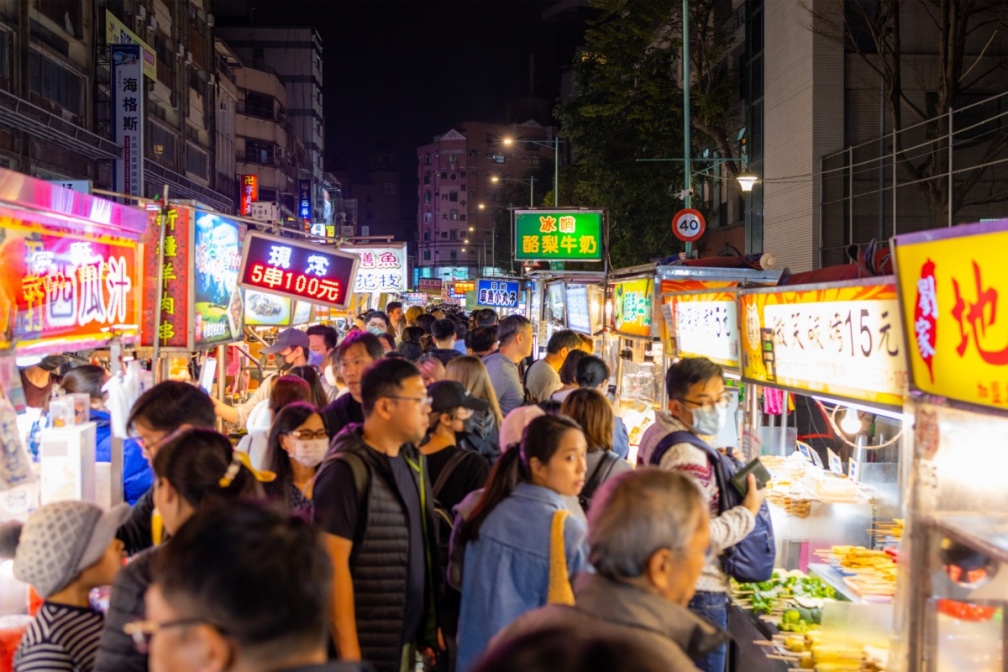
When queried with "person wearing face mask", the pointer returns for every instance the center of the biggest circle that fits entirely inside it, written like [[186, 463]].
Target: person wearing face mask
[[322, 340], [290, 349], [698, 404], [296, 445]]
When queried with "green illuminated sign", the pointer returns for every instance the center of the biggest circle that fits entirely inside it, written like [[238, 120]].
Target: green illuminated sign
[[560, 235]]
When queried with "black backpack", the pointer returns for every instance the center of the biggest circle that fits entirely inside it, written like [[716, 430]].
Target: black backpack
[[752, 559], [443, 517], [598, 477]]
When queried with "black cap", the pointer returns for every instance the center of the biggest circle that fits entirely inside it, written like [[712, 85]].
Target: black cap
[[448, 394], [51, 363], [288, 338]]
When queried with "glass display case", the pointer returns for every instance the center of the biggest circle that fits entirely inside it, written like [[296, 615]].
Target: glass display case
[[952, 594]]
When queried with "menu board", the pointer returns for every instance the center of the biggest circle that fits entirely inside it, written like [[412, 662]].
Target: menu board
[[706, 325], [218, 304], [632, 306], [578, 309], [296, 270], [556, 309], [838, 339]]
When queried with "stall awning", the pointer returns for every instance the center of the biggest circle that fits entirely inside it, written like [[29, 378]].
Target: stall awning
[[19, 114], [180, 186]]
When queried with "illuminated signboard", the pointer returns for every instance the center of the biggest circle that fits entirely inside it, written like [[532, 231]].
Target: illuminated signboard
[[429, 285], [578, 312], [304, 202], [573, 235], [298, 270], [217, 256], [249, 194], [706, 325], [264, 309], [632, 306], [382, 268], [116, 32], [837, 339], [950, 284], [66, 289], [497, 293], [174, 300], [462, 287]]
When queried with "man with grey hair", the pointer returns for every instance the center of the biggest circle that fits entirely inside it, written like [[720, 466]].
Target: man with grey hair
[[649, 534]]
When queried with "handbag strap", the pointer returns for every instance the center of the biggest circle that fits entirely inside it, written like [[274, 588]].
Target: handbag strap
[[560, 591]]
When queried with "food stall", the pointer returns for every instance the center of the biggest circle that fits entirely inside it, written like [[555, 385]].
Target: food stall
[[565, 300], [953, 588], [640, 313], [840, 347], [71, 283]]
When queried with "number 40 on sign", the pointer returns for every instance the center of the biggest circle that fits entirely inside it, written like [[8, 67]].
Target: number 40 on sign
[[688, 225]]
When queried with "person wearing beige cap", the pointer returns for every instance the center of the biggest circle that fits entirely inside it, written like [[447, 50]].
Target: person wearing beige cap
[[65, 550]]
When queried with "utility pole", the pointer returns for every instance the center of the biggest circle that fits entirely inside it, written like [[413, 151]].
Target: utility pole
[[687, 145]]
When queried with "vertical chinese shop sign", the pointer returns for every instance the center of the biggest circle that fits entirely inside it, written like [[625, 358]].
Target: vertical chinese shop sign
[[952, 295], [174, 300], [128, 116]]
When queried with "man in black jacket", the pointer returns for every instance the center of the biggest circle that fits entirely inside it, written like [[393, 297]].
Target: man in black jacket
[[357, 352], [373, 503]]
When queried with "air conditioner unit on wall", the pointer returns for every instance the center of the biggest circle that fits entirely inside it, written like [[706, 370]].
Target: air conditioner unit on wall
[[210, 20], [141, 12], [179, 50], [188, 57], [152, 23]]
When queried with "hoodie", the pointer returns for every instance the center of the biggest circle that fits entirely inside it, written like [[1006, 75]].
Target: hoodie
[[727, 529], [649, 623]]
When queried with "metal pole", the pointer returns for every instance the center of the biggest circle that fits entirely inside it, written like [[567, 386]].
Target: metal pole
[[894, 180], [950, 168], [687, 145], [116, 447], [160, 284], [556, 171], [850, 195], [532, 192]]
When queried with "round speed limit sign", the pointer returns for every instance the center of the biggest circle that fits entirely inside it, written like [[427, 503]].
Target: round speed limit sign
[[688, 225]]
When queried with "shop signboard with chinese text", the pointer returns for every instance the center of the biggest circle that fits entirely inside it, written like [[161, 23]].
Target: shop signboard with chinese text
[[706, 325], [217, 301], [460, 288], [837, 339], [429, 286], [69, 289], [493, 293], [304, 203], [633, 309], [128, 116], [174, 302], [250, 194], [382, 268], [951, 283], [558, 235], [297, 270]]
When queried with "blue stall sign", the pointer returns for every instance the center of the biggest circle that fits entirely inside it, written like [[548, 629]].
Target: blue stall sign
[[497, 293]]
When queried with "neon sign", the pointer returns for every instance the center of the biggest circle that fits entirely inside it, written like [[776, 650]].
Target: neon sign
[[298, 270]]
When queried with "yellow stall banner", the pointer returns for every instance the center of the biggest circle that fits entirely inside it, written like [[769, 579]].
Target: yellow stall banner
[[950, 282], [840, 339]]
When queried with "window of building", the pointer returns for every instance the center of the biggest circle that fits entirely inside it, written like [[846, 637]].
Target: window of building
[[444, 235], [452, 234], [426, 159], [55, 83], [426, 255], [426, 217], [426, 177], [452, 157], [258, 152], [196, 161], [64, 13], [161, 143], [259, 105], [497, 158], [453, 215], [426, 197], [453, 196], [453, 254], [444, 197], [426, 235]]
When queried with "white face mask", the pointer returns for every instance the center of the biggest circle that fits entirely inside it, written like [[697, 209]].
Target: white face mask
[[330, 376], [309, 452]]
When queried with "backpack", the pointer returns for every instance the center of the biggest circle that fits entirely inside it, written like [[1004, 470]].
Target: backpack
[[752, 559], [598, 477], [443, 517]]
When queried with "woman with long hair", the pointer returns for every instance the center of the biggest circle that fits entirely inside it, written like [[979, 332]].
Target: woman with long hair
[[193, 469], [310, 375], [296, 445], [594, 413], [485, 425], [519, 522]]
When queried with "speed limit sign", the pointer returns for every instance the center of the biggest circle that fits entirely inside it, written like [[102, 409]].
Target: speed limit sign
[[688, 225]]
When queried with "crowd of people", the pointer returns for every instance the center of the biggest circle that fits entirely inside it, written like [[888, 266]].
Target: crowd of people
[[412, 494]]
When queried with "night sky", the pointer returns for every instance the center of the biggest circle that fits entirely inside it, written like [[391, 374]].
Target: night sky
[[400, 72]]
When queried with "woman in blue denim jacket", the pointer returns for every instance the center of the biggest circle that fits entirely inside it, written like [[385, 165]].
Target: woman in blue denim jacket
[[506, 568]]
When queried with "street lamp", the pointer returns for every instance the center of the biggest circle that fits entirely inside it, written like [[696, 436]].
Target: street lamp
[[556, 162], [746, 181]]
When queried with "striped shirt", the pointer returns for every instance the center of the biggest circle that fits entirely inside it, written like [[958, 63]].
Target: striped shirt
[[61, 638]]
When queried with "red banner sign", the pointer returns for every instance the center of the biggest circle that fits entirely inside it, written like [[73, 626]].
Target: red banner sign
[[174, 300], [64, 289], [249, 193]]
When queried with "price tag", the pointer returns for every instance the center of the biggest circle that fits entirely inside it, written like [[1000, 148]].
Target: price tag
[[804, 450], [852, 469], [816, 460], [835, 465]]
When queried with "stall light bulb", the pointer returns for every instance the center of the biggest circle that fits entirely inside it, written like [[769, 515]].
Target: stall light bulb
[[850, 423]]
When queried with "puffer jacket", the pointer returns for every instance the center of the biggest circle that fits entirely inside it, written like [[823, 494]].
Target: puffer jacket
[[116, 651]]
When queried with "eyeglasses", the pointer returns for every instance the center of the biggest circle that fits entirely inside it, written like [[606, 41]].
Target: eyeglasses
[[423, 401], [308, 434], [720, 402], [143, 631]]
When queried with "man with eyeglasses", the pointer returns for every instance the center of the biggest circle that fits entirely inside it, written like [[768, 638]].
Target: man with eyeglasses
[[374, 506], [649, 534], [698, 404], [240, 589]]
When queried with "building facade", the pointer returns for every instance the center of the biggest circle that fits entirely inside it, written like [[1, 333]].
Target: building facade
[[294, 55], [469, 180]]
